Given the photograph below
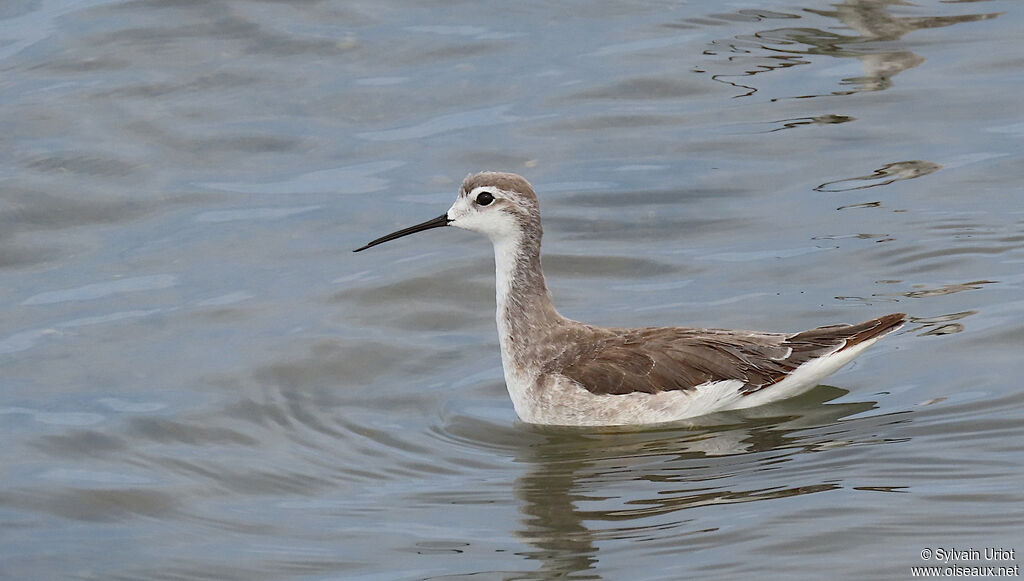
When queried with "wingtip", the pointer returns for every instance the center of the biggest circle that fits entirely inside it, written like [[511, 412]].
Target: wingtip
[[894, 319], [882, 326]]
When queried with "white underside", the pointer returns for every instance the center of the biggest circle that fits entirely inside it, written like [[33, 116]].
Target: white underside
[[557, 400]]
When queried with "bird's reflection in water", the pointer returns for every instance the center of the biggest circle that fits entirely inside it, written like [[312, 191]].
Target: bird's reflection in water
[[588, 485], [871, 33]]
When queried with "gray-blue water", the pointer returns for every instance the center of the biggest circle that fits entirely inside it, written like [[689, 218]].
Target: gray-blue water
[[199, 380]]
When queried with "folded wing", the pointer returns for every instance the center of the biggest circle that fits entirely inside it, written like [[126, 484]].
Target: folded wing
[[653, 360]]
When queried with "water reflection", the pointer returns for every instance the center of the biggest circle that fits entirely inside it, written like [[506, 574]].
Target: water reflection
[[876, 30], [883, 176], [921, 291], [583, 487], [815, 120], [941, 324]]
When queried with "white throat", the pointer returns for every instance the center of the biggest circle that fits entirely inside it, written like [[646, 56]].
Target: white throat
[[520, 372], [525, 316], [506, 255], [524, 308]]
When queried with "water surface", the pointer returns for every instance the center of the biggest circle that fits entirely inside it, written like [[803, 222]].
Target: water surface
[[201, 381]]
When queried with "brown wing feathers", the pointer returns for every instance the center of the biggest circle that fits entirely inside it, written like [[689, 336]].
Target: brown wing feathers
[[666, 359]]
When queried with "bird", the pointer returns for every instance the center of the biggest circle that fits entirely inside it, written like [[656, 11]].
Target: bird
[[567, 373]]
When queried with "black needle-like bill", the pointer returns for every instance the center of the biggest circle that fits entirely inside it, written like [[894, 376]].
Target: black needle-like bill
[[441, 220]]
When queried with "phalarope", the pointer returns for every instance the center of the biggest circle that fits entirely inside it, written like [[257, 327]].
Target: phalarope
[[563, 372]]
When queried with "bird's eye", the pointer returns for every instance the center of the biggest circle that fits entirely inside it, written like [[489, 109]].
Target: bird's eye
[[485, 198]]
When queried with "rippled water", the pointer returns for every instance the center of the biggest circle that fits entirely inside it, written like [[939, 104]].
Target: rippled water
[[200, 381]]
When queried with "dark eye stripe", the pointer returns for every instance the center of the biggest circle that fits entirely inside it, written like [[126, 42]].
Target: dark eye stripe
[[485, 198]]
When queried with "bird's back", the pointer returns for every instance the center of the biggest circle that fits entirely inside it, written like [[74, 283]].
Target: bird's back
[[657, 359]]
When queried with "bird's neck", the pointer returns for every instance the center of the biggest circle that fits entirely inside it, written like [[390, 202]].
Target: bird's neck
[[525, 312]]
